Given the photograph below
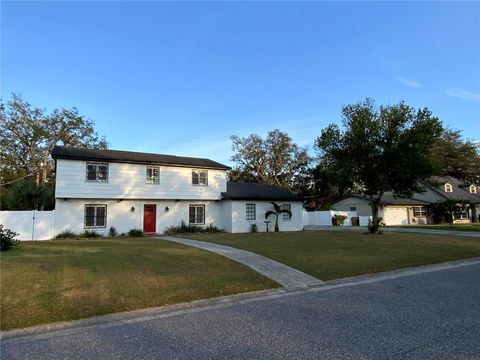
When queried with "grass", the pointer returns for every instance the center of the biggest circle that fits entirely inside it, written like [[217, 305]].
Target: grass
[[475, 227], [51, 281], [336, 254]]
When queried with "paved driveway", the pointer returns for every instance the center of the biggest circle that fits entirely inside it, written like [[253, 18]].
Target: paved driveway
[[431, 315]]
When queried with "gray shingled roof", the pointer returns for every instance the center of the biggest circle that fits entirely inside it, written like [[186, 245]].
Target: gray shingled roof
[[460, 189], [391, 200], [256, 191], [62, 152]]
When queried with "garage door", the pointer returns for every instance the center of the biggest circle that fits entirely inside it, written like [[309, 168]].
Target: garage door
[[395, 216]]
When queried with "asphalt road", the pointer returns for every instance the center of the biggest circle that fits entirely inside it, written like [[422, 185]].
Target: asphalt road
[[434, 315]]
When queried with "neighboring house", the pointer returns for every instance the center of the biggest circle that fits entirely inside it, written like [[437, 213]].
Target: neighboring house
[[98, 189], [402, 211]]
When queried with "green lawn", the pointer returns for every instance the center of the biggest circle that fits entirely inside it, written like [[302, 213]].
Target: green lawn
[[336, 254], [50, 281], [475, 227]]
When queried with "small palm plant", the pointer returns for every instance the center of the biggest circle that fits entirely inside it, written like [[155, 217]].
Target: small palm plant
[[277, 210]]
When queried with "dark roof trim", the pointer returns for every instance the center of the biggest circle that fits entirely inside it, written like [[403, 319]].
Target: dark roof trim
[[130, 157]]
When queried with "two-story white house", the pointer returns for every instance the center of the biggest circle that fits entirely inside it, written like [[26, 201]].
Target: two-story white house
[[99, 189]]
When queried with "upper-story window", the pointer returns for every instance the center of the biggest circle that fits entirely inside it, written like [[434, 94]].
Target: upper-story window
[[473, 189], [448, 187], [153, 175], [200, 177], [285, 215], [97, 172]]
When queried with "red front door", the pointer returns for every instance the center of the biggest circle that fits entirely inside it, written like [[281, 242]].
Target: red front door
[[149, 218]]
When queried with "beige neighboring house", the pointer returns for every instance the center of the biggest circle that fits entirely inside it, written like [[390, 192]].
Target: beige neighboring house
[[415, 210]]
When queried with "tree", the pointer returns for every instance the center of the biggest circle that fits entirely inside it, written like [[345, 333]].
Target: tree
[[445, 210], [28, 135], [277, 210], [379, 150], [457, 157], [275, 160], [25, 194]]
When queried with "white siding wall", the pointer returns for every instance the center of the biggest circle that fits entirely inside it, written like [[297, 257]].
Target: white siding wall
[[70, 214], [241, 225], [127, 181]]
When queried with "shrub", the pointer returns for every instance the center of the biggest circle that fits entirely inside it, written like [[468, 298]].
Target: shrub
[[7, 238], [253, 228], [136, 233], [184, 228], [67, 234], [91, 234], [374, 226], [338, 220], [112, 231]]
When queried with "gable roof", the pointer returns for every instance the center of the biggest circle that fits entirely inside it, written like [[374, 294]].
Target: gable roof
[[460, 189], [256, 191], [389, 200], [72, 153]]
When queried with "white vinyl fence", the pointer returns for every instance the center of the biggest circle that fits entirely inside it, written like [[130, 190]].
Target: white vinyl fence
[[324, 218], [30, 225]]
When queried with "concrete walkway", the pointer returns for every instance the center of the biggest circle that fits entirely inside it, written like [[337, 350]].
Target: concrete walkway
[[286, 276], [395, 230]]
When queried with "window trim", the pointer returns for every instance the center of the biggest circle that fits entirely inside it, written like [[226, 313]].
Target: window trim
[[95, 216], [200, 171], [146, 174], [462, 210], [196, 206], [423, 212], [285, 216], [96, 172], [473, 189], [247, 212], [448, 188]]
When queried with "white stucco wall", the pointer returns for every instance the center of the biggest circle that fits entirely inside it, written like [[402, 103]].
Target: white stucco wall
[[237, 209], [128, 181], [70, 214]]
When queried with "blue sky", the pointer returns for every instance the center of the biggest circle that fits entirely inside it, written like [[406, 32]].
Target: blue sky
[[181, 77]]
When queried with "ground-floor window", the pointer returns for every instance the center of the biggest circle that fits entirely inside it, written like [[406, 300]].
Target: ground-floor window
[[286, 216], [461, 213], [95, 216], [196, 214], [419, 211], [250, 212]]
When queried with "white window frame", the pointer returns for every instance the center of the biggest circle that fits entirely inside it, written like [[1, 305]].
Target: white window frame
[[95, 216], [198, 173], [249, 212], [448, 188], [285, 216], [473, 189], [419, 211], [152, 180], [196, 207], [97, 172]]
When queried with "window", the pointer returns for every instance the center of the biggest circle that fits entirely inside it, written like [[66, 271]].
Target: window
[[196, 214], [353, 208], [95, 216], [448, 187], [153, 175], [286, 216], [200, 177], [473, 189], [461, 213], [97, 172], [250, 212], [419, 211]]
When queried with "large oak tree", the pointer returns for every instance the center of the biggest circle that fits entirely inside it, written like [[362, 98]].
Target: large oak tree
[[380, 149]]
